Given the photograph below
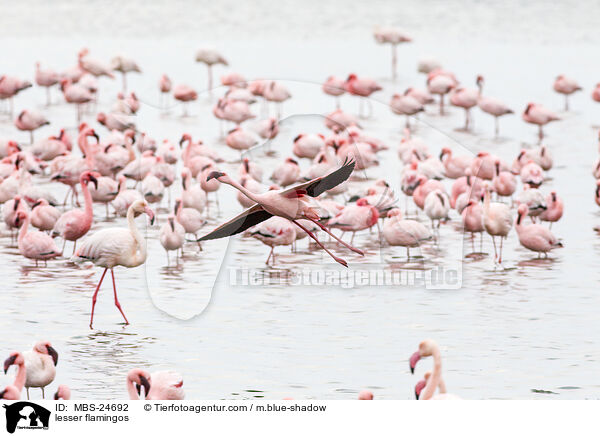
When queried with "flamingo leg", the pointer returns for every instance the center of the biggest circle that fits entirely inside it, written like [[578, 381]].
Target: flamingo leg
[[394, 61], [27, 393], [501, 241], [116, 299], [311, 234], [94, 297], [326, 230], [495, 252], [270, 254], [497, 125], [43, 394]]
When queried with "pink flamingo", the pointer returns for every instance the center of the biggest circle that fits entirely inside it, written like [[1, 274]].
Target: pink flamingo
[[365, 395], [190, 218], [427, 348], [466, 98], [124, 65], [116, 121], [164, 85], [30, 121], [44, 216], [240, 139], [308, 145], [423, 187], [112, 247], [472, 219], [33, 244], [276, 93], [274, 232], [286, 173], [554, 209], [492, 106], [210, 57], [251, 169], [76, 94], [355, 217], [234, 79], [184, 94], [289, 203], [93, 66], [160, 385], [442, 395], [454, 166], [338, 120], [504, 182], [11, 86], [172, 236], [497, 221], [125, 197], [406, 105], [41, 364], [75, 223], [532, 174], [392, 36], [47, 79], [421, 95], [334, 86], [267, 128], [361, 87], [566, 86], [534, 237], [404, 232], [62, 393], [441, 83], [596, 93], [537, 114], [13, 392]]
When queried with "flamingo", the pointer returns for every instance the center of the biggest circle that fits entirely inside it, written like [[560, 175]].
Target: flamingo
[[554, 209], [62, 393], [355, 217], [504, 182], [454, 166], [365, 395], [406, 105], [566, 86], [596, 93], [11, 86], [277, 93], [172, 236], [125, 198], [497, 221], [76, 94], [274, 232], [289, 203], [339, 120], [192, 195], [403, 232], [210, 57], [93, 66], [441, 83], [75, 223], [233, 79], [421, 95], [267, 128], [116, 121], [537, 114], [240, 139], [164, 85], [437, 206], [44, 216], [46, 78], [532, 174], [184, 94], [308, 145], [472, 219], [334, 86], [361, 87], [392, 36], [442, 395], [160, 385], [534, 237], [29, 121], [13, 392], [152, 188], [112, 247], [124, 65], [286, 173], [427, 64], [189, 218], [251, 169], [492, 106], [466, 98], [534, 199], [106, 192], [41, 364], [427, 348], [33, 244]]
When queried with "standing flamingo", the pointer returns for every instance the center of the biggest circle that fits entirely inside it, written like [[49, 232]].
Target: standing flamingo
[[566, 86], [75, 223], [124, 65], [537, 114], [29, 121], [160, 385], [210, 57], [164, 85], [289, 203], [392, 36], [497, 221], [41, 364], [274, 232], [472, 219], [334, 86], [596, 93], [172, 236], [441, 83], [492, 106], [466, 98], [112, 247], [534, 237], [403, 232], [184, 94], [47, 79], [33, 244], [554, 211], [362, 87]]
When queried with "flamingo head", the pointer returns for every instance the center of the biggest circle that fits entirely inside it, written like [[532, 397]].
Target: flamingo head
[[394, 212], [63, 392], [101, 117], [553, 195], [20, 218], [140, 378], [445, 151], [90, 176], [523, 210], [185, 137], [45, 347], [419, 387], [362, 202], [216, 175], [40, 202], [10, 393], [365, 395], [171, 221], [141, 206], [15, 358], [528, 108], [426, 349], [479, 80]]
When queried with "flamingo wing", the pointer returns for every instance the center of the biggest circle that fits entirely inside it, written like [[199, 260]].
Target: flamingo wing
[[250, 217], [317, 186]]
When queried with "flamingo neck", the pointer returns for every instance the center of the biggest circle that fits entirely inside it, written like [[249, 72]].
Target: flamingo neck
[[141, 243], [20, 377], [486, 202], [23, 230], [251, 195], [133, 395], [87, 198], [434, 379]]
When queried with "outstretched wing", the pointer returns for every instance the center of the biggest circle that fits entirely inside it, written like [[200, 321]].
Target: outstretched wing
[[250, 217], [317, 186]]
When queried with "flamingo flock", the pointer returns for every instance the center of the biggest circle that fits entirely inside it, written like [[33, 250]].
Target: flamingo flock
[[321, 185]]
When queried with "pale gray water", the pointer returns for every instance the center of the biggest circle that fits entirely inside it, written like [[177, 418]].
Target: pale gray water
[[502, 333]]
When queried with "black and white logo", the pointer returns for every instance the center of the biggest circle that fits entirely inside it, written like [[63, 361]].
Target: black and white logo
[[26, 415]]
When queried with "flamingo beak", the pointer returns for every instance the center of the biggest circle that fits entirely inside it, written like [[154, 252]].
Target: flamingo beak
[[177, 203], [150, 214], [95, 135], [36, 204], [214, 175], [181, 141], [413, 361], [56, 396], [8, 362], [419, 387], [94, 180], [172, 224], [53, 353], [144, 381], [2, 394]]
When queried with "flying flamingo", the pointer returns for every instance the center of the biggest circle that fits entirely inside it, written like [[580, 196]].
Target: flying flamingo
[[492, 106], [392, 36], [13, 392], [566, 86], [160, 385], [112, 247], [289, 203], [210, 57], [47, 79], [75, 223], [33, 244], [537, 114], [497, 221], [534, 237], [334, 86], [29, 121], [62, 393], [429, 348], [41, 364]]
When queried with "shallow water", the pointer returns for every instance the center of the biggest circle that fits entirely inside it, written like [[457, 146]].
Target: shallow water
[[503, 333]]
